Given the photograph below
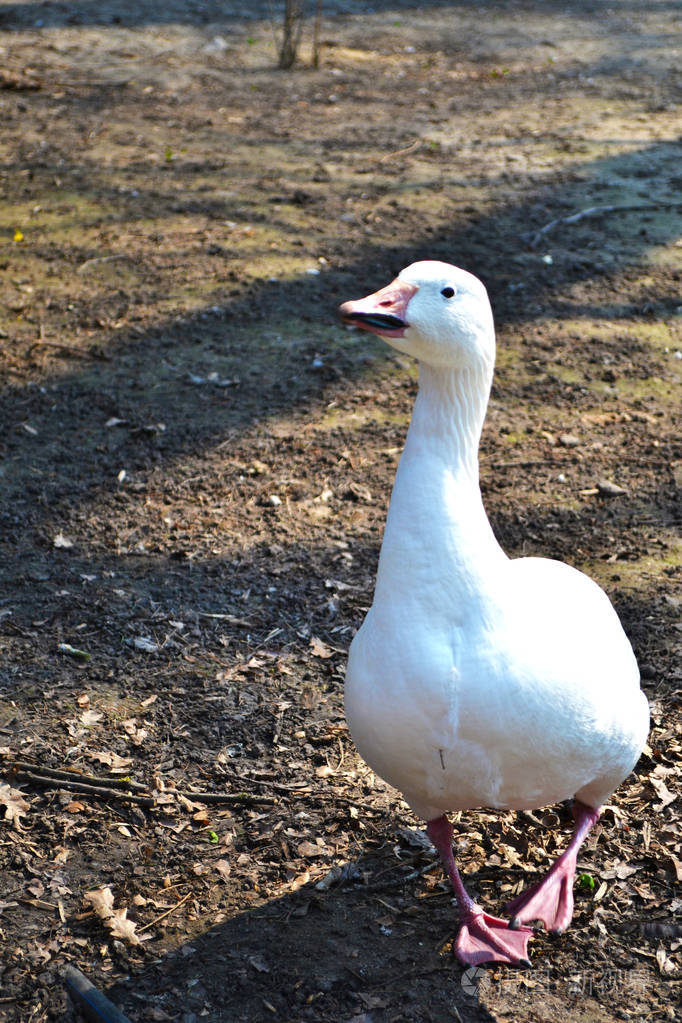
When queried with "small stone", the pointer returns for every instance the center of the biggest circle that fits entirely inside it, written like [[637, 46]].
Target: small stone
[[608, 489], [358, 492], [569, 440], [145, 644]]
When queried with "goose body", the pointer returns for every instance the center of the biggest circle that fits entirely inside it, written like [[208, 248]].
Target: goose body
[[477, 680], [501, 710]]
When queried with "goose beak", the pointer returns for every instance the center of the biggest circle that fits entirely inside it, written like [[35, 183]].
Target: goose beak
[[383, 313]]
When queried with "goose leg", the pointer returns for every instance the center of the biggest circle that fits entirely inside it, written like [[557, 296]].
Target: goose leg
[[551, 900], [481, 938]]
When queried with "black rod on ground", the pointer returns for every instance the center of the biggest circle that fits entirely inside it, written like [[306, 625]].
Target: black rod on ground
[[95, 1006]]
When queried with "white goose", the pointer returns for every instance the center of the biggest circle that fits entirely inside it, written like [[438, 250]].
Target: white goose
[[476, 680]]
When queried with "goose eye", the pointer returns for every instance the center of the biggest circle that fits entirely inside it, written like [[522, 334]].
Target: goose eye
[[448, 292]]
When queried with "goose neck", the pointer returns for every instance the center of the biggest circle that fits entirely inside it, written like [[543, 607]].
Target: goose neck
[[449, 412]]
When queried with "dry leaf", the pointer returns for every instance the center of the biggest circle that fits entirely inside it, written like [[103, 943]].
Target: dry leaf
[[258, 963], [14, 803], [662, 791], [320, 649], [115, 920], [300, 880], [74, 806], [111, 760], [102, 901], [223, 868], [309, 849], [415, 838], [91, 717], [137, 735], [677, 866], [619, 870], [121, 927]]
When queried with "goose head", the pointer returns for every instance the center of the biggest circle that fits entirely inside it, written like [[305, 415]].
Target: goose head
[[433, 311]]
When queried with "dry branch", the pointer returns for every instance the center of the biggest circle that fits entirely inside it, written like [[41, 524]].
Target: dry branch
[[81, 352], [227, 798], [119, 788], [534, 237], [70, 775], [83, 789], [168, 912]]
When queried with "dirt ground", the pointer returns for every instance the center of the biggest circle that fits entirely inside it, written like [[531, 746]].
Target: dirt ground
[[195, 464]]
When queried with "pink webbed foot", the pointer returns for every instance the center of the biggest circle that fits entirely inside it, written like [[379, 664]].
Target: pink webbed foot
[[485, 939], [481, 938], [551, 900]]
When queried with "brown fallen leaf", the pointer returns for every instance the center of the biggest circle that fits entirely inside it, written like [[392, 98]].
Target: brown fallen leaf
[[115, 920], [36, 888], [619, 870], [320, 649], [299, 881], [223, 868], [91, 717], [121, 927], [676, 865], [662, 791], [75, 806], [112, 760], [102, 901], [137, 735], [15, 805], [310, 849]]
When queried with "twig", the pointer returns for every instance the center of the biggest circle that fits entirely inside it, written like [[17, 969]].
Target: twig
[[232, 619], [92, 779], [89, 790], [68, 348], [38, 903], [100, 259], [163, 916], [353, 802], [534, 237], [397, 882], [227, 798], [401, 152], [277, 786], [92, 785]]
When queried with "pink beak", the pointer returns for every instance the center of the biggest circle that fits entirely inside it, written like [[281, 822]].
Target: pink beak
[[383, 313]]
